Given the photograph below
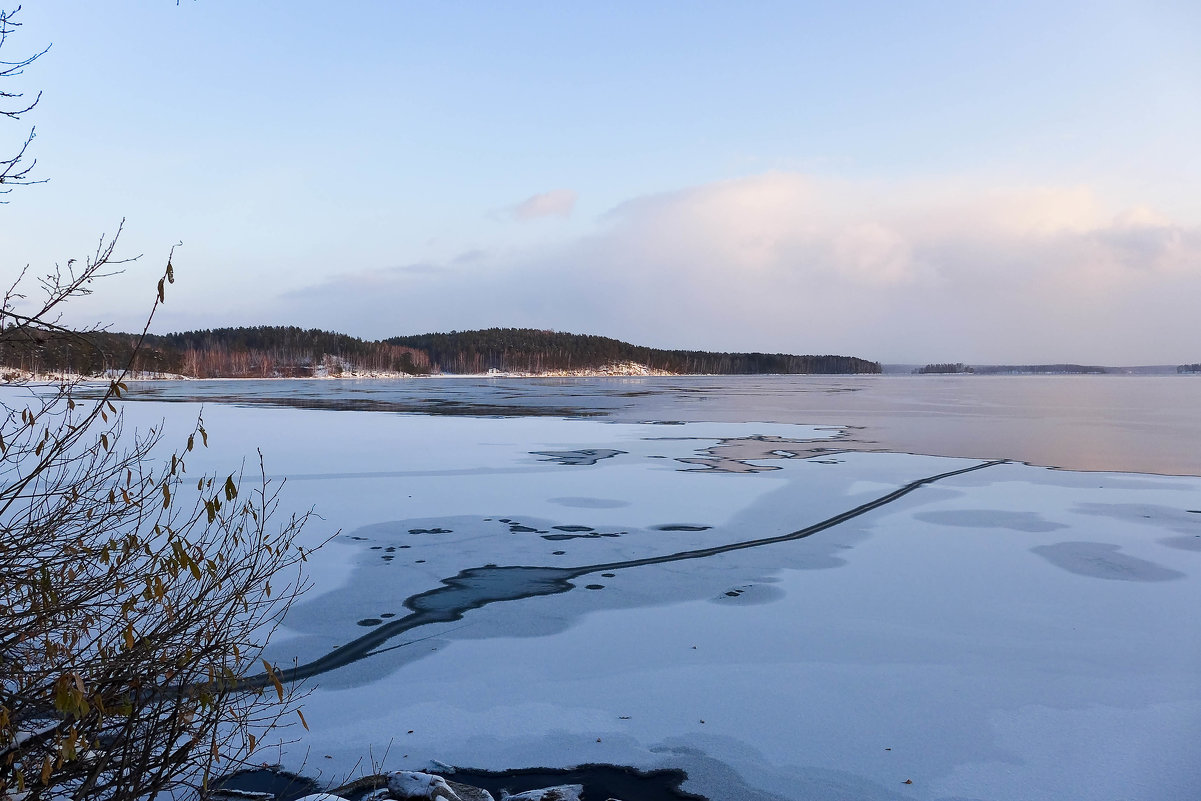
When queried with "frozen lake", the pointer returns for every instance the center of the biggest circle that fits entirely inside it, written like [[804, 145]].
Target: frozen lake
[[796, 588], [1147, 424]]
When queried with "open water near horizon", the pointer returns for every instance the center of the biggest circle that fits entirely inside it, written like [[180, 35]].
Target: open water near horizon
[[1146, 424]]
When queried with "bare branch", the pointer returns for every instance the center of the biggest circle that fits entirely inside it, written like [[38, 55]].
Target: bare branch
[[14, 170], [135, 599]]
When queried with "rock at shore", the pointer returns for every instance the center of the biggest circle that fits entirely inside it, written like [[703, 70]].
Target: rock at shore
[[563, 792]]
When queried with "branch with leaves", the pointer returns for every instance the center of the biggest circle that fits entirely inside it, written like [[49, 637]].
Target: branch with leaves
[[133, 596]]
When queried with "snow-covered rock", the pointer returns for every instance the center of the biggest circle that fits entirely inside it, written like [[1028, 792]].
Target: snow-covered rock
[[406, 784], [467, 792], [227, 794], [562, 792]]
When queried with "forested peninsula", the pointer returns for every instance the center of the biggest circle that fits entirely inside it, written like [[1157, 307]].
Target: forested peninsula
[[288, 351]]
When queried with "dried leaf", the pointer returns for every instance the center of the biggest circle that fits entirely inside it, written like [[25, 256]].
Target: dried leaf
[[279, 687]]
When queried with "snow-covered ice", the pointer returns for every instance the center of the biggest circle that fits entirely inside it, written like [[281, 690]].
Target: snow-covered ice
[[1012, 632]]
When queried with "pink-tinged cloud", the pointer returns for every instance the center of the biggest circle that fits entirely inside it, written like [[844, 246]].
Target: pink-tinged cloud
[[556, 203], [952, 270]]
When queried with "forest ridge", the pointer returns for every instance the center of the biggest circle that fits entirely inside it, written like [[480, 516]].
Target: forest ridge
[[289, 351]]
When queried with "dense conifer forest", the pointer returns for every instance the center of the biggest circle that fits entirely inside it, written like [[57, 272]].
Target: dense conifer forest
[[944, 368], [534, 351], [1069, 369], [288, 351]]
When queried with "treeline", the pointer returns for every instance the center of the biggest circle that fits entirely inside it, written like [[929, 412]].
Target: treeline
[[943, 369], [269, 351], [288, 351], [534, 351], [86, 353], [259, 352], [1071, 369], [1189, 368]]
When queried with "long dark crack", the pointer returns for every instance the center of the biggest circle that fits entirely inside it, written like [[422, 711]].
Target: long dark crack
[[479, 586]]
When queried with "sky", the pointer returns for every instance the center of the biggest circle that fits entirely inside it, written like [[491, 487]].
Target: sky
[[986, 182]]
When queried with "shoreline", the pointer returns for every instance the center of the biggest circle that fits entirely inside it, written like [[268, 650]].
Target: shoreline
[[12, 376]]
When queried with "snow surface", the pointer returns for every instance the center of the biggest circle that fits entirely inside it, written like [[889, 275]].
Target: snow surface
[[1010, 633]]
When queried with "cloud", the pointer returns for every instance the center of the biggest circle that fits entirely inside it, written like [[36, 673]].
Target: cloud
[[556, 203], [420, 268], [921, 271], [469, 256], [364, 283]]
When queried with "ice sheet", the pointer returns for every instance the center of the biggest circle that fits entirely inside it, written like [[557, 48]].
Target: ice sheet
[[1008, 633]]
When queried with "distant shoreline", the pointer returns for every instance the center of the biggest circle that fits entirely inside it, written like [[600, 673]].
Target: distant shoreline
[[288, 351], [17, 377]]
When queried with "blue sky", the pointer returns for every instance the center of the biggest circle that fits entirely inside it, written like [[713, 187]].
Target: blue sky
[[900, 181]]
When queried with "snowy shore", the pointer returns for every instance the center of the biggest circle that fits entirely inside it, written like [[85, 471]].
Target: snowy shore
[[13, 375]]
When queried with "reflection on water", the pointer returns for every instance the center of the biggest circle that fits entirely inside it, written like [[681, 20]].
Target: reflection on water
[[1148, 424]]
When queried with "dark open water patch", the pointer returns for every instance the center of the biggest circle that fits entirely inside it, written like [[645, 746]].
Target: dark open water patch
[[432, 406], [600, 782], [281, 784], [589, 536], [583, 457]]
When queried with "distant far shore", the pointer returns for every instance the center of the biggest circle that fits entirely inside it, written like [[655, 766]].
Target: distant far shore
[[1037, 369], [13, 376], [290, 352]]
